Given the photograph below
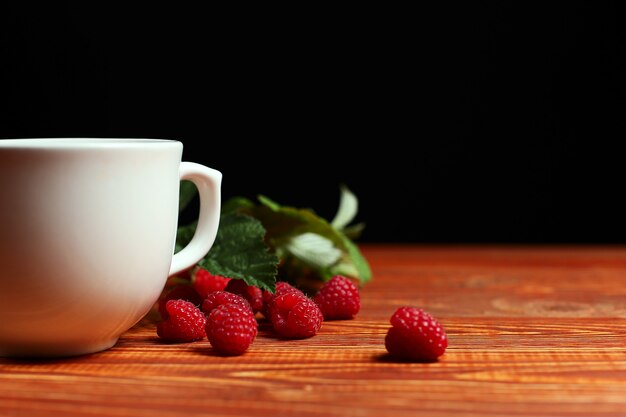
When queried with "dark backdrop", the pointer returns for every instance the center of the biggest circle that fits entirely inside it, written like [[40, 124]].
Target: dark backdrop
[[481, 122]]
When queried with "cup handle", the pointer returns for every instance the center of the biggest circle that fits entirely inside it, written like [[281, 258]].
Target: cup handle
[[208, 181]]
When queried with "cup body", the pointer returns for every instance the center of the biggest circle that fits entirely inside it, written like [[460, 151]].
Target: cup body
[[87, 234]]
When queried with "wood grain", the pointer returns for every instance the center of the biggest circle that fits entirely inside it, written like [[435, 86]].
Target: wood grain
[[533, 331]]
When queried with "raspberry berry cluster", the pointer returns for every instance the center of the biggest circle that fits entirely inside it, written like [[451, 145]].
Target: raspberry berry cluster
[[226, 311]]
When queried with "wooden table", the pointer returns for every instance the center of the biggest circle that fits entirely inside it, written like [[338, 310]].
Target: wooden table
[[533, 331]]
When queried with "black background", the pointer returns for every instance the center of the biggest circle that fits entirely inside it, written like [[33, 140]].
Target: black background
[[479, 122]]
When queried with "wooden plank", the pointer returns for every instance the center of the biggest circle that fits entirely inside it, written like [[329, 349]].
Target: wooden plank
[[534, 331]]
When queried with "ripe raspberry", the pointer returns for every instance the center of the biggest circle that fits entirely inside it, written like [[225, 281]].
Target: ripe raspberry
[[180, 292], [282, 287], [415, 335], [205, 283], [253, 294], [231, 329], [185, 322], [295, 316], [338, 299], [217, 298]]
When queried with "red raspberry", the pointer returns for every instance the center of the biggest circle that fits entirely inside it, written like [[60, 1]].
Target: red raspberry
[[180, 292], [295, 316], [415, 335], [185, 323], [231, 329], [205, 283], [217, 298], [253, 294], [338, 298], [282, 287]]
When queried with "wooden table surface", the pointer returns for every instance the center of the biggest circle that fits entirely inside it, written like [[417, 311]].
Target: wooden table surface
[[533, 331]]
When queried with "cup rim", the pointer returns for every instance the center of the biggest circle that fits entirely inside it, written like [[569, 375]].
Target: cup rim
[[80, 142]]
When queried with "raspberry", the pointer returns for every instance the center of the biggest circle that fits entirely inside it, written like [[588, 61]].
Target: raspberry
[[253, 294], [180, 292], [338, 299], [217, 298], [205, 283], [415, 335], [185, 322], [282, 287], [295, 316], [231, 329]]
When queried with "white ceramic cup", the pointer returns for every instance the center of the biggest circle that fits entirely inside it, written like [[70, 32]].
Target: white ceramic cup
[[87, 234]]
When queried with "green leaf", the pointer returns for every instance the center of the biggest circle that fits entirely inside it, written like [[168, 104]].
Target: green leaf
[[348, 208], [240, 252], [285, 227], [358, 261], [269, 203], [236, 204], [354, 231], [313, 249], [184, 234], [186, 194], [283, 223]]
